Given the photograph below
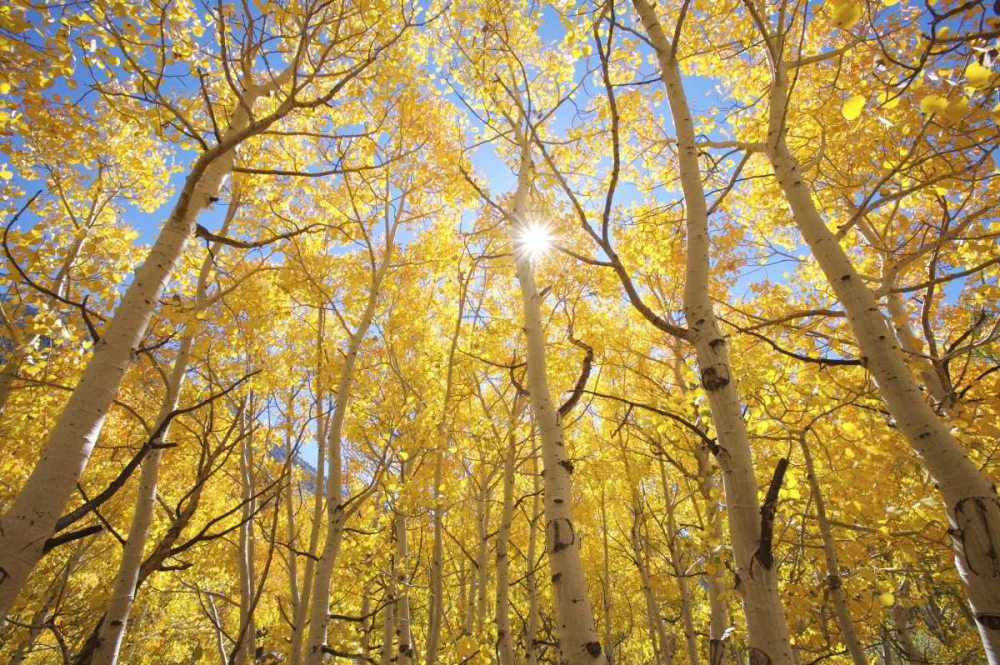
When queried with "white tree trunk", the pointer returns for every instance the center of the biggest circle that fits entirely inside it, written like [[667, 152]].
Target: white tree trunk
[[767, 632], [834, 583], [531, 630], [116, 617], [336, 515], [247, 630], [301, 613], [662, 643], [576, 628], [971, 502], [505, 641], [31, 519]]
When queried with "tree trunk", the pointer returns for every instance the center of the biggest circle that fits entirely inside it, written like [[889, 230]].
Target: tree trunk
[[531, 629], [609, 642], [576, 629], [971, 503], [767, 631], [247, 629], [847, 632], [505, 641], [31, 519], [335, 510], [404, 631], [680, 571], [301, 612], [662, 643], [116, 617]]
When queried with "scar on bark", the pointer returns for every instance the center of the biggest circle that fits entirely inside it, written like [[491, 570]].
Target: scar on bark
[[764, 554], [558, 544], [758, 657], [978, 542], [715, 377]]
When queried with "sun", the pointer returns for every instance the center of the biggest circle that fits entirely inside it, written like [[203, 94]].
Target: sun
[[533, 240]]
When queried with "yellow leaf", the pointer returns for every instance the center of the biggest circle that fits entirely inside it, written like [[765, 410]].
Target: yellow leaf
[[853, 106], [976, 75], [846, 14], [887, 599], [933, 104]]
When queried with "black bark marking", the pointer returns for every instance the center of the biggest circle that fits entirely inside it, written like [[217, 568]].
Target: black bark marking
[[764, 554], [989, 621], [974, 534], [561, 538], [566, 464], [715, 378], [758, 657], [594, 649]]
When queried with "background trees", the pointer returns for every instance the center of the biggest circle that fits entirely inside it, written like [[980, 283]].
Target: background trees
[[304, 419]]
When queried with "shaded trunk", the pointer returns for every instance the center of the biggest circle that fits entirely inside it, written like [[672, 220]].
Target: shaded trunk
[[757, 579], [31, 519], [834, 583], [971, 503]]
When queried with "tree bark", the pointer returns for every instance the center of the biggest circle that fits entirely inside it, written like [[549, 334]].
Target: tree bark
[[834, 583], [335, 510], [576, 629], [971, 503], [31, 519], [767, 632]]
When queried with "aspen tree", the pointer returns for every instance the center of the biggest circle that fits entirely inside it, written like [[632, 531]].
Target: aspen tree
[[30, 521], [970, 499], [116, 617]]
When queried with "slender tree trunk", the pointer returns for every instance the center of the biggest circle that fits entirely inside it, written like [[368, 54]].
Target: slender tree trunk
[[436, 608], [387, 623], [847, 632], [903, 631], [576, 628], [680, 572], [367, 623], [609, 642], [247, 629], [31, 519], [971, 502], [505, 641], [531, 630], [404, 621], [301, 613], [767, 631], [715, 569], [335, 510], [482, 564], [657, 627], [116, 617]]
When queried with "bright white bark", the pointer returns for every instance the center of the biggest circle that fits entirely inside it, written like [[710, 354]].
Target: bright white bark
[[767, 632], [575, 620], [31, 519], [505, 641], [301, 613], [609, 643], [336, 514], [971, 502]]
